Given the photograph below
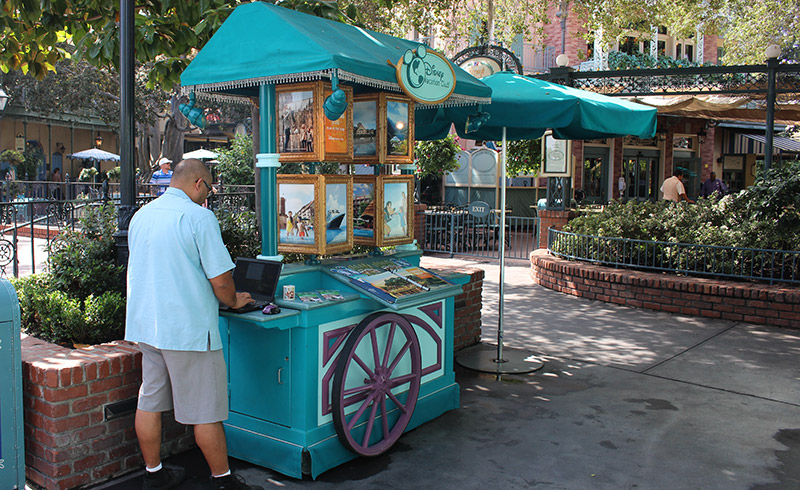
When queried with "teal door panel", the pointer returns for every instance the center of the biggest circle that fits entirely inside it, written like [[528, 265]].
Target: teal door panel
[[260, 374], [12, 451]]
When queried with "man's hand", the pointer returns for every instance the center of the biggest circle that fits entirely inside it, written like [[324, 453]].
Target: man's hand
[[242, 299]]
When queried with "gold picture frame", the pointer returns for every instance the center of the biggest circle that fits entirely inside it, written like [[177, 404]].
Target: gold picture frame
[[298, 112], [394, 223], [367, 124], [366, 200], [398, 131], [315, 214], [299, 217]]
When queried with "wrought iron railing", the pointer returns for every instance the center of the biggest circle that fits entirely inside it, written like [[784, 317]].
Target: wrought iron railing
[[683, 258], [746, 79], [455, 231]]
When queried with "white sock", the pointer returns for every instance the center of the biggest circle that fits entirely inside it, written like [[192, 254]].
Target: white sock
[[224, 474], [153, 470]]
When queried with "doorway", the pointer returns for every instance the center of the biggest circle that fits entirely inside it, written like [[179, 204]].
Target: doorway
[[595, 174], [640, 170], [691, 173]]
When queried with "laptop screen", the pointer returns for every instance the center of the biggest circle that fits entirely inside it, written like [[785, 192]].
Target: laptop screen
[[257, 277]]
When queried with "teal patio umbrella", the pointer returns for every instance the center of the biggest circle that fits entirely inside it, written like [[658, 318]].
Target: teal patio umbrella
[[523, 108]]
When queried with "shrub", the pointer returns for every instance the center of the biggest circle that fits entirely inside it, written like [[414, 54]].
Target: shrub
[[437, 157], [82, 297], [765, 215]]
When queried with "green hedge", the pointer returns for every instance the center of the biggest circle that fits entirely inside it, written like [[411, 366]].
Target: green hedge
[[766, 215]]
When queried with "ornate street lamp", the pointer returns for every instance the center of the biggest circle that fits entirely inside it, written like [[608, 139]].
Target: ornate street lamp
[[98, 141], [3, 99]]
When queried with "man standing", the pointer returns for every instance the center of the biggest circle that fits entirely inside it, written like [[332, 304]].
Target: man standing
[[161, 177], [173, 313], [713, 184], [673, 188]]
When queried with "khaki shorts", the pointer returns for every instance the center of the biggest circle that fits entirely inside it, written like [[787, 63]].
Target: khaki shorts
[[194, 383]]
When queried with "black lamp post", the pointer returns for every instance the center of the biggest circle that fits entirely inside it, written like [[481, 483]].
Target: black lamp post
[[127, 183], [772, 52]]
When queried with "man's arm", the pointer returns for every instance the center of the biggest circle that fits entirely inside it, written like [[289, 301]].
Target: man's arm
[[225, 291]]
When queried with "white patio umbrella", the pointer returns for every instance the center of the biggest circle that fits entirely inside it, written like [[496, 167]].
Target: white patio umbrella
[[201, 154], [94, 154]]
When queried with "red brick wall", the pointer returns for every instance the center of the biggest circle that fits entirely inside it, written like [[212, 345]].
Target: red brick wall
[[711, 298], [552, 219], [467, 321], [68, 442]]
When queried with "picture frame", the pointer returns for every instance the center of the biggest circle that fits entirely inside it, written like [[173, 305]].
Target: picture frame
[[366, 199], [300, 201], [395, 215], [338, 134], [733, 162], [398, 130], [315, 214], [338, 207], [299, 122], [556, 157], [367, 128]]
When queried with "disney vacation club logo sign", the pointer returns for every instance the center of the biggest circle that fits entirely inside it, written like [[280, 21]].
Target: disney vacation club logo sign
[[425, 76]]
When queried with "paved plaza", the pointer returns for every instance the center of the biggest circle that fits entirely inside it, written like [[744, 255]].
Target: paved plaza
[[627, 399]]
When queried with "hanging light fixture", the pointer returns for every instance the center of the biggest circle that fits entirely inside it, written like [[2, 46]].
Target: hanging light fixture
[[3, 99], [98, 141]]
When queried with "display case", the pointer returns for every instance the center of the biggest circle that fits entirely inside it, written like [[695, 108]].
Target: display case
[[303, 133], [383, 129], [315, 214], [383, 209]]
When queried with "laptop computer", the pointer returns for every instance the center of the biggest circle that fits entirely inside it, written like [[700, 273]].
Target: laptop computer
[[257, 277]]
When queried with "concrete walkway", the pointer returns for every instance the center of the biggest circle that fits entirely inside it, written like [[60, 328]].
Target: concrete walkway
[[627, 399]]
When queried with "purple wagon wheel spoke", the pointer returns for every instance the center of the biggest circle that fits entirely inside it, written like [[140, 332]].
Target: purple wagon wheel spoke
[[356, 429]]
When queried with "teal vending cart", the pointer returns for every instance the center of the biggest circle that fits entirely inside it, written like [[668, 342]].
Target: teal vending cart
[[362, 354], [12, 447]]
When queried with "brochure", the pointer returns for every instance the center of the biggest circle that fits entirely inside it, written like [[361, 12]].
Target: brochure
[[309, 297], [330, 294], [389, 279]]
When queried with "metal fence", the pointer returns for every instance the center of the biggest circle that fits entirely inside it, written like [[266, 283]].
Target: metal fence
[[29, 224], [455, 231], [684, 258]]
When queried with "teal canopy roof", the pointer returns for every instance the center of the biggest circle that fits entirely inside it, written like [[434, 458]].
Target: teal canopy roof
[[527, 107], [262, 43]]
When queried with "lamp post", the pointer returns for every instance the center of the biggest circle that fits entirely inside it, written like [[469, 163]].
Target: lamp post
[[772, 52], [3, 100]]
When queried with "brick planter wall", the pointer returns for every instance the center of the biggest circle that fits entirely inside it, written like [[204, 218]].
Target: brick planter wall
[[712, 298], [69, 442], [467, 320]]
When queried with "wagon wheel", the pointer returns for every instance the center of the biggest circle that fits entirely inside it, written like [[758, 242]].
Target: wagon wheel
[[379, 371]]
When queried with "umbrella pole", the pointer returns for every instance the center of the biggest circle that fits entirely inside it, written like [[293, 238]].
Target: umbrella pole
[[514, 362]]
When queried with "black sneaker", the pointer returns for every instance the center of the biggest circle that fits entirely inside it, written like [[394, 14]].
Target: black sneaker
[[164, 479], [231, 482]]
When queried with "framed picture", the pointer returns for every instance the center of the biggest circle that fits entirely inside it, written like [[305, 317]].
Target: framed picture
[[338, 213], [299, 216], [395, 223], [733, 162], [556, 161], [337, 135], [365, 200], [366, 127], [298, 109], [399, 129]]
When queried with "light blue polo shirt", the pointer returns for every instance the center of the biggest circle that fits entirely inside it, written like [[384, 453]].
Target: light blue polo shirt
[[175, 248]]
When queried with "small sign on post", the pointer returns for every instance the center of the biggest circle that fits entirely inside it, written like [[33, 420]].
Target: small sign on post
[[479, 209]]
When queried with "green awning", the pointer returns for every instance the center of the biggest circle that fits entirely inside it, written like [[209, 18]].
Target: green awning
[[262, 43]]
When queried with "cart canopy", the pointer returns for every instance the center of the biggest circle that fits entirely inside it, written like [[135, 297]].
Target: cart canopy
[[261, 42]]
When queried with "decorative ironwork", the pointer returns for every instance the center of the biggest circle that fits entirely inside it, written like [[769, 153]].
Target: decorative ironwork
[[500, 55], [60, 213], [730, 80], [8, 215], [558, 193], [684, 258], [7, 253]]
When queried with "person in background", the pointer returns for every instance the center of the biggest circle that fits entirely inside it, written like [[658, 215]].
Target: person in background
[[712, 185], [673, 188], [161, 178], [58, 179], [173, 313]]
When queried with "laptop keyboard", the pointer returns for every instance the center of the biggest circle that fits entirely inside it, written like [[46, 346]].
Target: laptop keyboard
[[258, 305]]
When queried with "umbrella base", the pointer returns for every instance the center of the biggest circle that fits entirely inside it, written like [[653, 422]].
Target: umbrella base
[[486, 361]]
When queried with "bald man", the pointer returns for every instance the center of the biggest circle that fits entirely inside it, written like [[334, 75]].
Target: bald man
[[178, 272]]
